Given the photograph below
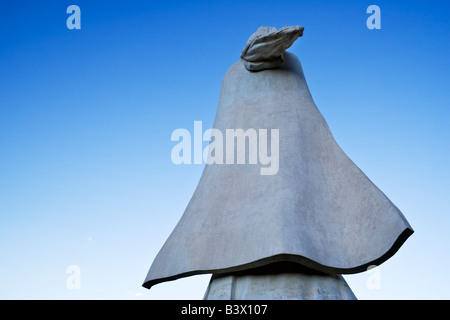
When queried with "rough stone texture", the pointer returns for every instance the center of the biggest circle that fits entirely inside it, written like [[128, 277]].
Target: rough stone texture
[[320, 210], [265, 48], [288, 285]]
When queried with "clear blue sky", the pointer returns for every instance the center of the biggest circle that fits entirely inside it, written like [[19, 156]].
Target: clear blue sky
[[86, 116]]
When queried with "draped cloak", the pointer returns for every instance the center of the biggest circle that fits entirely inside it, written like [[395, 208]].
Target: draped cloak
[[319, 210]]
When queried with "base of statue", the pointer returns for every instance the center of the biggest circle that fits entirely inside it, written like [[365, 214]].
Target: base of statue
[[278, 281]]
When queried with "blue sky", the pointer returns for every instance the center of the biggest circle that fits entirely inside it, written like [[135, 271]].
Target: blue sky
[[86, 116]]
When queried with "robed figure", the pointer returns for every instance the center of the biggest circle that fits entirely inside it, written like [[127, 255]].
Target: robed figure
[[291, 234]]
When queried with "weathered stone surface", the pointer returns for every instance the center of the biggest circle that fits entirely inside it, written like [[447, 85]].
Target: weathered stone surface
[[265, 48]]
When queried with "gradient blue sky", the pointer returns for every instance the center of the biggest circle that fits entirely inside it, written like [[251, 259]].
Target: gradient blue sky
[[86, 117]]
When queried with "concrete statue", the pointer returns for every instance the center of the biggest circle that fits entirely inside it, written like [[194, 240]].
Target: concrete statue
[[293, 234]]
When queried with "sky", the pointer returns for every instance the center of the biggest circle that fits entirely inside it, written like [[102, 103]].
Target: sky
[[88, 190]]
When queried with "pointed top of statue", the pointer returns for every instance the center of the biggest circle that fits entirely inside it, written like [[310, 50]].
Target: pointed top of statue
[[265, 48]]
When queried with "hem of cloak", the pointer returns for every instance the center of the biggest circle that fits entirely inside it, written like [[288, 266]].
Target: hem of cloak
[[289, 257]]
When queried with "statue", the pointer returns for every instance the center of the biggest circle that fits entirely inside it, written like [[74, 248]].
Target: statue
[[289, 235]]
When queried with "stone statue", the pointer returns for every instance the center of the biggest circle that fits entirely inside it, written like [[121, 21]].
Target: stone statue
[[290, 235]]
